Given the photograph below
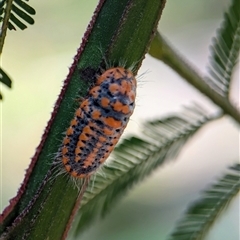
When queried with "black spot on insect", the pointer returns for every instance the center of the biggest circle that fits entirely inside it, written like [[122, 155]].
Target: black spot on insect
[[98, 122]]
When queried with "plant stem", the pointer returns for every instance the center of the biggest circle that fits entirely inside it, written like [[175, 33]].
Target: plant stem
[[161, 50]]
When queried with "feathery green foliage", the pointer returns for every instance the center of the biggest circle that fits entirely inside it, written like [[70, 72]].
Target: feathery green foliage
[[13, 13], [19, 11], [225, 50], [137, 157], [4, 78], [201, 214]]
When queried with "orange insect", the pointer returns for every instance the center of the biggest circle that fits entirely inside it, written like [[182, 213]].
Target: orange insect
[[99, 122]]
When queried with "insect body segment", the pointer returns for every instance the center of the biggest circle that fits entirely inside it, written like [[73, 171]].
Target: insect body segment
[[99, 122]]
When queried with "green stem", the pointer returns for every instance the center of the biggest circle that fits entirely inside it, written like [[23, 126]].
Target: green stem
[[160, 49], [5, 23]]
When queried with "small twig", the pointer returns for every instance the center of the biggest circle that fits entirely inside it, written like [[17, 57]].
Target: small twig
[[163, 51]]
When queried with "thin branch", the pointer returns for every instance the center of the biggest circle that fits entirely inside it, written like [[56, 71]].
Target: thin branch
[[160, 49]]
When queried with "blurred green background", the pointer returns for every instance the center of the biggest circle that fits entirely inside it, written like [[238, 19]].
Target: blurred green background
[[37, 60]]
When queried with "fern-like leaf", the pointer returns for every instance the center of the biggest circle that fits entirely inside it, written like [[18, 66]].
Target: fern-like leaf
[[137, 157], [17, 14], [200, 216], [225, 50], [5, 79], [12, 16]]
